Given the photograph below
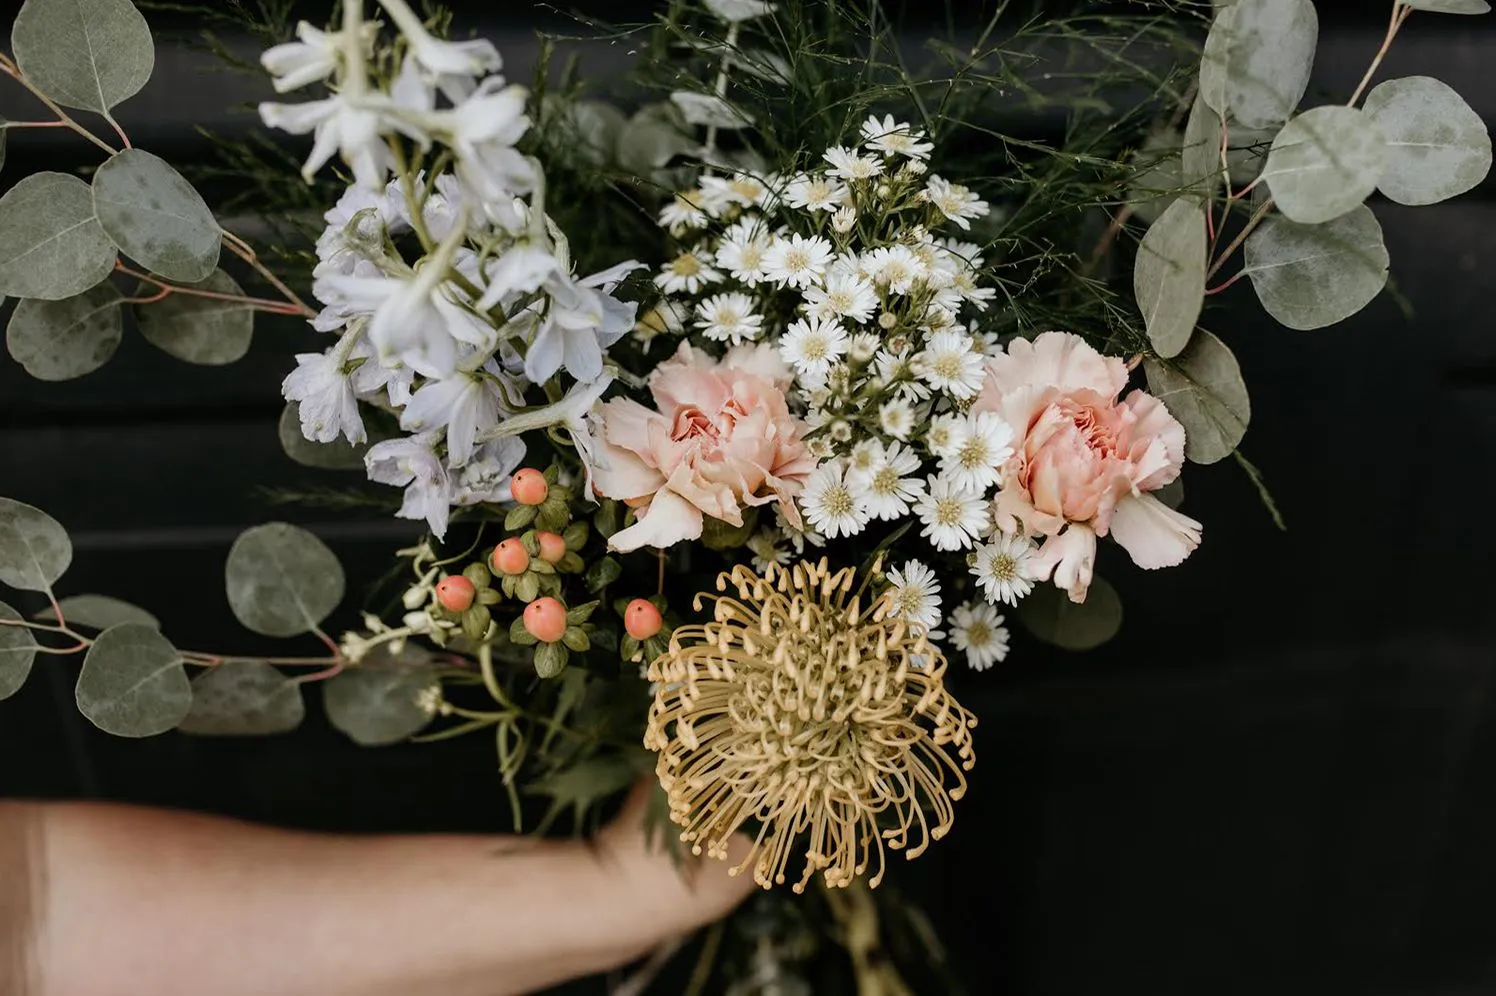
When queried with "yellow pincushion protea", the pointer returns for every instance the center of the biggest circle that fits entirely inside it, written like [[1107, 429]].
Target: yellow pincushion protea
[[819, 718]]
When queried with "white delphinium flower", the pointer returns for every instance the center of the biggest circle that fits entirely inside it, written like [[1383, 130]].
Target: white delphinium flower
[[952, 363], [486, 476], [811, 345], [412, 463], [955, 201], [521, 269], [896, 418], [984, 443], [383, 383], [915, 594], [845, 295], [356, 229], [768, 547], [450, 66], [797, 261], [844, 219], [944, 434], [312, 58], [886, 485], [442, 206], [734, 11], [1003, 568], [895, 267], [814, 192], [729, 318], [324, 395], [686, 274], [895, 138], [977, 629], [831, 505], [583, 319], [954, 518], [464, 404], [341, 127], [850, 165], [742, 249]]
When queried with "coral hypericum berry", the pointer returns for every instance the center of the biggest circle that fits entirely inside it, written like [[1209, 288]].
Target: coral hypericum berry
[[511, 557], [545, 618], [529, 486], [641, 619], [552, 547], [456, 593]]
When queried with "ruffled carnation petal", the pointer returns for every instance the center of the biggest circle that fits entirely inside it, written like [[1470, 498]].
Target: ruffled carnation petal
[[1070, 558], [667, 520], [1152, 533]]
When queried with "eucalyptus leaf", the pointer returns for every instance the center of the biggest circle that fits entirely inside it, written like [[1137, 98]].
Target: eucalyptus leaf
[[60, 340], [654, 135], [1257, 60], [17, 652], [133, 682], [594, 126], [1200, 168], [336, 455], [34, 548], [709, 111], [1048, 614], [1437, 146], [1169, 276], [282, 580], [156, 217], [378, 706], [91, 54], [202, 330], [99, 612], [1449, 6], [1202, 388], [1324, 163], [243, 699], [51, 245], [1157, 185], [1310, 276]]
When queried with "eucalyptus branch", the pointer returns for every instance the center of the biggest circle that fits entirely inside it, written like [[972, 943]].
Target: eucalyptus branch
[[166, 289], [246, 252], [9, 68]]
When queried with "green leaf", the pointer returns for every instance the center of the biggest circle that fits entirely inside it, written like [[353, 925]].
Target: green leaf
[[1169, 276], [550, 659], [592, 129], [519, 635], [654, 135], [98, 612], [243, 699], [576, 639], [1203, 389], [1310, 276], [578, 614], [376, 706], [1449, 6], [519, 517], [133, 683], [202, 330], [1324, 163], [1200, 168], [1257, 60], [156, 217], [60, 340], [1048, 614], [282, 580], [91, 54], [602, 573], [51, 245], [17, 652], [1437, 147], [339, 454], [583, 784], [34, 548]]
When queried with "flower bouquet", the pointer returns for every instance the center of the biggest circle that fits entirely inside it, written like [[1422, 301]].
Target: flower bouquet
[[735, 425]]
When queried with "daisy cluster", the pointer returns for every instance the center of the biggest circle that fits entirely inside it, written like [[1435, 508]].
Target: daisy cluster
[[450, 293]]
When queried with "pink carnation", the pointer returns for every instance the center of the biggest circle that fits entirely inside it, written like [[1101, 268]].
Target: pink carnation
[[1084, 462], [722, 438]]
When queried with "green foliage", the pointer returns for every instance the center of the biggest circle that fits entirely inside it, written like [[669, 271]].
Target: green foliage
[[243, 699], [202, 330], [377, 704], [1324, 163], [1437, 147], [155, 216], [98, 612], [61, 340], [1311, 276], [336, 455], [89, 54], [1048, 614], [51, 245], [17, 652], [133, 682], [282, 580], [1258, 58], [34, 548], [1169, 276], [1203, 388]]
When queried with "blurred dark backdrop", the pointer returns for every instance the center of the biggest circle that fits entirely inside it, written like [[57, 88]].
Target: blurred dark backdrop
[[1280, 778]]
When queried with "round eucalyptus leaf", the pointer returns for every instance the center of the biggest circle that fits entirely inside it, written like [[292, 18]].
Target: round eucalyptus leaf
[[1048, 614], [51, 245], [91, 54], [133, 682], [1160, 178], [1324, 163], [34, 548], [99, 612], [1246, 151], [339, 454], [243, 699], [156, 217], [1449, 6], [60, 340], [1201, 165], [1437, 147], [1168, 278], [654, 135], [595, 127], [17, 652], [707, 110], [376, 706], [1203, 389], [207, 331], [282, 580], [1310, 276], [1257, 59]]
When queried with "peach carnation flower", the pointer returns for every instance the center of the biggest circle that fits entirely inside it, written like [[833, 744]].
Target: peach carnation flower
[[721, 439], [1084, 461]]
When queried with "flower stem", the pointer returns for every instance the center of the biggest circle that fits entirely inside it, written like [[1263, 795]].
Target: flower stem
[[246, 252], [720, 87], [1399, 15]]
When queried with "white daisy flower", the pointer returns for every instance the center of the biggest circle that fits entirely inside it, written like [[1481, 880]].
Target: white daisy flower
[[954, 201], [798, 537], [944, 435], [862, 347], [796, 261], [768, 547], [887, 486], [845, 295], [954, 518], [811, 345], [967, 253], [977, 629], [1003, 568], [741, 251], [686, 210], [844, 219], [896, 418], [865, 456], [951, 362], [915, 594], [815, 193], [984, 443], [894, 266], [729, 318], [686, 273], [965, 286], [895, 138], [832, 506], [849, 165]]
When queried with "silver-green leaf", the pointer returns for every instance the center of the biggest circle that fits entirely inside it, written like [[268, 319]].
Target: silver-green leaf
[[17, 652], [98, 612], [1257, 60], [654, 135], [92, 54], [1201, 164], [1449, 6], [1048, 614], [60, 340], [133, 682], [34, 548], [156, 217], [1169, 276], [51, 245], [376, 706], [336, 455], [1437, 146], [243, 699], [1324, 163], [203, 330], [1202, 387], [1310, 276], [282, 580]]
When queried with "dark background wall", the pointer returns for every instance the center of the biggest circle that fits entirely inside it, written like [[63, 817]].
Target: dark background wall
[[1280, 778]]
